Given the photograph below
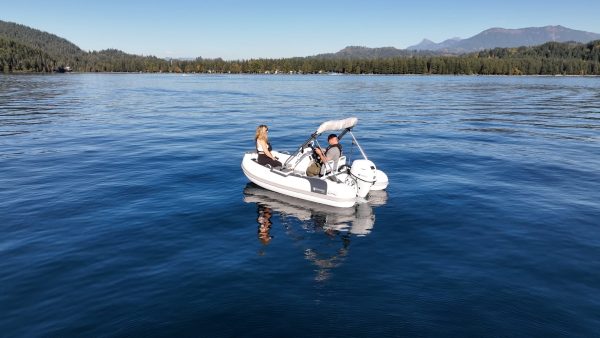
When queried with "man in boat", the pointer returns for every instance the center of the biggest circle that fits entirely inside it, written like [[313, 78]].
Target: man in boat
[[333, 152]]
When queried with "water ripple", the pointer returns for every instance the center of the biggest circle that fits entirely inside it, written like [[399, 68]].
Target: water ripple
[[124, 212]]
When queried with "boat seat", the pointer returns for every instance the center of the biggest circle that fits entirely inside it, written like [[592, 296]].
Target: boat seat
[[341, 162], [332, 166]]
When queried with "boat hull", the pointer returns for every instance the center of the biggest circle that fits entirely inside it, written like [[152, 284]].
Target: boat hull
[[295, 184]]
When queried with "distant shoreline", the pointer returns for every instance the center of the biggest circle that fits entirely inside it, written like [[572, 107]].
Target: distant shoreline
[[23, 73]]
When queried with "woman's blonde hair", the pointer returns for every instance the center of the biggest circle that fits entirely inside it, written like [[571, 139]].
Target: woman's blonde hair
[[261, 132]]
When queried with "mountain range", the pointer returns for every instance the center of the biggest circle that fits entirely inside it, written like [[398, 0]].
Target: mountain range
[[488, 39], [360, 52], [25, 49], [504, 38]]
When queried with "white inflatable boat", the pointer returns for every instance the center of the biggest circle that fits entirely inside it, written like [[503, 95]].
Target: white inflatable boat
[[341, 184]]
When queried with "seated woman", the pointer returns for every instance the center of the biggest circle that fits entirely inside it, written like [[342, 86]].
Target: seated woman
[[263, 148]]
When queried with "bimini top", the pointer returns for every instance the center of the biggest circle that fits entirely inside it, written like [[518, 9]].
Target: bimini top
[[337, 125]]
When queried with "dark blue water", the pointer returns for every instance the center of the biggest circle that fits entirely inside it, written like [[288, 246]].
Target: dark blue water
[[124, 211]]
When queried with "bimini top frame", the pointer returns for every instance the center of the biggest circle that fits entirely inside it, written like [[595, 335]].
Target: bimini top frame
[[334, 125]]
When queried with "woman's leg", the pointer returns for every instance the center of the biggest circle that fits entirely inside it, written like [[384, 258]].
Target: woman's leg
[[264, 160], [276, 163]]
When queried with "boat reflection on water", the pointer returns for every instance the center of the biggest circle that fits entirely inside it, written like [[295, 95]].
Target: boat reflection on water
[[358, 220], [306, 222]]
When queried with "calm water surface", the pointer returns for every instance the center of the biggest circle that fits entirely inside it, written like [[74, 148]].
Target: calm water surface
[[124, 211]]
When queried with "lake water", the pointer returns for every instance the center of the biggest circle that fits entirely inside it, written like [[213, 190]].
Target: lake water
[[124, 210]]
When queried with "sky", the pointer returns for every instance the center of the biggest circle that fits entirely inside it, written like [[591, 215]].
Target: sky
[[235, 29]]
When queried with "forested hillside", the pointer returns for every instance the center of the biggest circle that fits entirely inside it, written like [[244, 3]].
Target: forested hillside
[[23, 49], [18, 57], [59, 50]]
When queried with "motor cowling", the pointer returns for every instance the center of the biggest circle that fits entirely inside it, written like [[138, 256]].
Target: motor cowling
[[364, 173]]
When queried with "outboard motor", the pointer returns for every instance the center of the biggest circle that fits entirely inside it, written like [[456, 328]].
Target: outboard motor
[[364, 173]]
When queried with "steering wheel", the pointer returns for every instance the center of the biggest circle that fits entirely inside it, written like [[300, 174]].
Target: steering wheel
[[314, 154]]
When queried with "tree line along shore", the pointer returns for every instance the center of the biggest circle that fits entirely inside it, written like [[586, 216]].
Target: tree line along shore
[[551, 58]]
